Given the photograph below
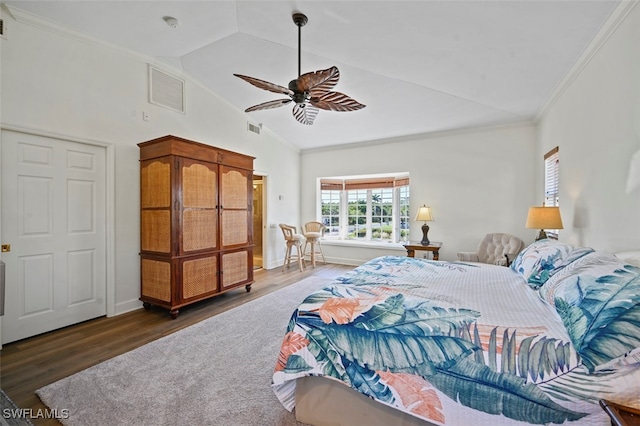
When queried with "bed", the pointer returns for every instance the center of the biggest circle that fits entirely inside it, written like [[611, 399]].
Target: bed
[[412, 342]]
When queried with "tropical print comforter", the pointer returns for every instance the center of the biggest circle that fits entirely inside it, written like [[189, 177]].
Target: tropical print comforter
[[462, 343]]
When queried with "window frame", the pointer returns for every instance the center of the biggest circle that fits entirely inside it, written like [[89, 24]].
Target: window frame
[[368, 187]]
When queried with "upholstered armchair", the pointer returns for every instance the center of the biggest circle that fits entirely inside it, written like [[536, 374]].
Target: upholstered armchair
[[496, 249]]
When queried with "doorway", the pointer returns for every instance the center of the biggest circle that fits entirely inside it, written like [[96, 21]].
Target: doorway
[[258, 220]]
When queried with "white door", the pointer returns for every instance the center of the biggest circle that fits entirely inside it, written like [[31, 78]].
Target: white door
[[53, 218]]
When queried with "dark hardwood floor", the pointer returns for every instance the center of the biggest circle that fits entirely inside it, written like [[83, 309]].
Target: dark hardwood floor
[[32, 363]]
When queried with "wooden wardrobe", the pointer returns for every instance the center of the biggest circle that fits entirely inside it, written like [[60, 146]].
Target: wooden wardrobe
[[195, 222]]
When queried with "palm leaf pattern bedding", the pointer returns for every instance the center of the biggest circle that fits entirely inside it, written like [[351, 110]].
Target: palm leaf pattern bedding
[[451, 343]]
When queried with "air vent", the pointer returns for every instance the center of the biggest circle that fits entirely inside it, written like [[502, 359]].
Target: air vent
[[255, 128], [166, 90]]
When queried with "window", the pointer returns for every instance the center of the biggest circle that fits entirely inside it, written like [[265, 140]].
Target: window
[[331, 212], [381, 213], [403, 207], [357, 213], [551, 172], [551, 187], [372, 208]]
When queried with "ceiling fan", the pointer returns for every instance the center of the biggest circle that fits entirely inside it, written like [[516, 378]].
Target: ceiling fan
[[311, 92]]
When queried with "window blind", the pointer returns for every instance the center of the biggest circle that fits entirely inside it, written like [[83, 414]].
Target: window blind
[[365, 183], [331, 184], [551, 175]]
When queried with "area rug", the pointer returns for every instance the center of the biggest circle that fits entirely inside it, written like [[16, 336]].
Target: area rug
[[216, 372]]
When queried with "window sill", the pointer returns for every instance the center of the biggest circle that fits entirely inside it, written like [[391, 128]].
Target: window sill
[[364, 244]]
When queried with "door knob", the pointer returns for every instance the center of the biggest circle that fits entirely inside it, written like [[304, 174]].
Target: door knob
[[6, 248]]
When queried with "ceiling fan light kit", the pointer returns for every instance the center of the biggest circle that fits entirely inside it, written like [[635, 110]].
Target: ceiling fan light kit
[[310, 92]]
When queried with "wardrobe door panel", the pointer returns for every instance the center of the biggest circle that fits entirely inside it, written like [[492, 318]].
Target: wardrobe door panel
[[236, 268], [198, 206], [235, 207]]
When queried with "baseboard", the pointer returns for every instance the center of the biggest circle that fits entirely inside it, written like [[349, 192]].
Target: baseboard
[[345, 261], [127, 306]]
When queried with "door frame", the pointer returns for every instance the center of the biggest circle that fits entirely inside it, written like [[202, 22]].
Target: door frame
[[265, 234], [110, 296]]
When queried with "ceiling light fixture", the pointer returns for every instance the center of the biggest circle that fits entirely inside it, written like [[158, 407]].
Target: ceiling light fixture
[[171, 21]]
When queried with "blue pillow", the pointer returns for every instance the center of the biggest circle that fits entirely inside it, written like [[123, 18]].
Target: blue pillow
[[598, 299], [541, 260]]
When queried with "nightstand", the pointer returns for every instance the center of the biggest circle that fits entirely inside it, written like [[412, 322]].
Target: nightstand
[[432, 247], [621, 415]]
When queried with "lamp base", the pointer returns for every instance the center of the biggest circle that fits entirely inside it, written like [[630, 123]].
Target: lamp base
[[425, 239], [542, 235]]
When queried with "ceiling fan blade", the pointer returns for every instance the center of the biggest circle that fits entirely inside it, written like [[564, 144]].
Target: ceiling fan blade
[[336, 101], [320, 82], [305, 114], [269, 105], [262, 84]]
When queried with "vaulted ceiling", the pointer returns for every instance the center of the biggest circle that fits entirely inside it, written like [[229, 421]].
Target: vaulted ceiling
[[419, 66]]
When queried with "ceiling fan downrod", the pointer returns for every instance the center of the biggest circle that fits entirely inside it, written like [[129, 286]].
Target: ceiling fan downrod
[[300, 19]]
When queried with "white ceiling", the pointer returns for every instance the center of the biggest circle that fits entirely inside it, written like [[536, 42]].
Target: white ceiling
[[419, 66]]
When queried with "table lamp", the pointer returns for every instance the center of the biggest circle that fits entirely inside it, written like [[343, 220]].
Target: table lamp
[[544, 218], [424, 214]]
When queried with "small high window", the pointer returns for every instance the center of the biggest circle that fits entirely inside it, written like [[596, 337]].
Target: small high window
[[551, 186]]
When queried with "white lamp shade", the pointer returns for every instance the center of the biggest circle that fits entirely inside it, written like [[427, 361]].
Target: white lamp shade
[[424, 214], [544, 218]]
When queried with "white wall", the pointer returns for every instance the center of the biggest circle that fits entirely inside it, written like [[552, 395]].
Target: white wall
[[57, 84], [596, 124], [476, 182]]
